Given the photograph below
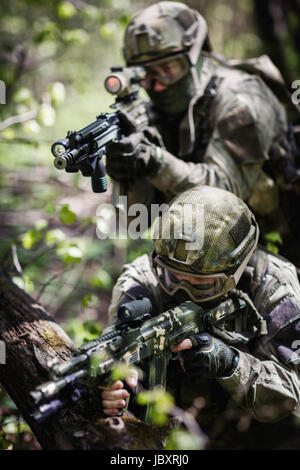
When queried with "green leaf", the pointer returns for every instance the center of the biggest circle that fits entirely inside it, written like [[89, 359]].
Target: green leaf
[[31, 127], [162, 403], [22, 108], [50, 208], [121, 372], [93, 13], [184, 440], [30, 238], [46, 32], [8, 134], [125, 19], [69, 254], [22, 95], [273, 237], [76, 36], [4, 443], [66, 10], [108, 30], [95, 360], [66, 216], [162, 399], [272, 248], [55, 236], [93, 328], [101, 280], [89, 300], [41, 224], [85, 221], [46, 115], [57, 92], [82, 332], [24, 283]]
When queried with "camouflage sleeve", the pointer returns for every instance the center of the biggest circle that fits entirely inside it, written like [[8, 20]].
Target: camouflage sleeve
[[266, 380], [218, 169], [248, 118], [267, 388]]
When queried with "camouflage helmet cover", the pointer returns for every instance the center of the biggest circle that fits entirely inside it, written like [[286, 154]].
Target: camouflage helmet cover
[[207, 231], [164, 28]]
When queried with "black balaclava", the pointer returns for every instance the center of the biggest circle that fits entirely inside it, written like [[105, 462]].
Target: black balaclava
[[174, 101]]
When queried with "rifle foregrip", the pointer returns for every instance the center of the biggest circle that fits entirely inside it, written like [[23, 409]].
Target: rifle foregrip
[[99, 180]]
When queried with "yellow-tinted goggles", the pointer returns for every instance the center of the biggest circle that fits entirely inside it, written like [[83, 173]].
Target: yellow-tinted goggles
[[199, 287]]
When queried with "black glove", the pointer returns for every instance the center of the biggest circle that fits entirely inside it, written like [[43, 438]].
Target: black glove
[[134, 155], [209, 357]]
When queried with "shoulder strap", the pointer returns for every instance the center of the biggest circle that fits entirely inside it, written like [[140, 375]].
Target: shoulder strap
[[259, 268], [197, 118]]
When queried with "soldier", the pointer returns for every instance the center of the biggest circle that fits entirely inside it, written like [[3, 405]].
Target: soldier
[[221, 125], [246, 374]]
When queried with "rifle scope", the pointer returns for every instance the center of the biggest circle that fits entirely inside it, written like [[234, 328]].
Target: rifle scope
[[123, 80]]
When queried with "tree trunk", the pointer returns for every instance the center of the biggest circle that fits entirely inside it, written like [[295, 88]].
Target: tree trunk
[[31, 339], [278, 26]]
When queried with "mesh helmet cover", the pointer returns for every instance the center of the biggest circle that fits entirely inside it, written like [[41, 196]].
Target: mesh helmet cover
[[164, 28]]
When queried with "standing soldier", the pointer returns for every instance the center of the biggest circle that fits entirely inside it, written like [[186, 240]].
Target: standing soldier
[[246, 373], [220, 123]]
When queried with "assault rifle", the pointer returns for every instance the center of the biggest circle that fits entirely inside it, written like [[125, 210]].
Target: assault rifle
[[83, 150], [136, 338]]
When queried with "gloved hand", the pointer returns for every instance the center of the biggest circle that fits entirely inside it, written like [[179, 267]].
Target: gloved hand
[[207, 356], [134, 155]]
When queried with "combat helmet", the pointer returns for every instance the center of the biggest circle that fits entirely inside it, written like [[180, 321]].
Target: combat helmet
[[162, 29], [207, 235]]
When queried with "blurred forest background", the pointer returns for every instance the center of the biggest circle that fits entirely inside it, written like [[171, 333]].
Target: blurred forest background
[[54, 56]]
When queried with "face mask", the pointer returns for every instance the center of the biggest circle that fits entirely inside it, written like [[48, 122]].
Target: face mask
[[176, 98]]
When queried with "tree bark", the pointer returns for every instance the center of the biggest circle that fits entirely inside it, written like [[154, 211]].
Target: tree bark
[[32, 338]]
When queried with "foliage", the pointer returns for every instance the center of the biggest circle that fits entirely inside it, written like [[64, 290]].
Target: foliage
[[49, 244], [15, 434], [121, 372], [81, 333], [184, 440], [272, 240], [161, 403]]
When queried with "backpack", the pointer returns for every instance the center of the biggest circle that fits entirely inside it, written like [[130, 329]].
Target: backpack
[[287, 167]]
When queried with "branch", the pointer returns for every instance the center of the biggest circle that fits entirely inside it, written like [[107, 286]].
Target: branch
[[16, 259], [18, 119], [47, 283], [21, 141]]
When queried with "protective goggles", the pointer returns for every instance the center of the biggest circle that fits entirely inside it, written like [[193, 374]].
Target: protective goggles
[[199, 287], [167, 70]]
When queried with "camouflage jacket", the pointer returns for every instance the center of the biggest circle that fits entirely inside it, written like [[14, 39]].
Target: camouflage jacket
[[244, 124], [266, 380]]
